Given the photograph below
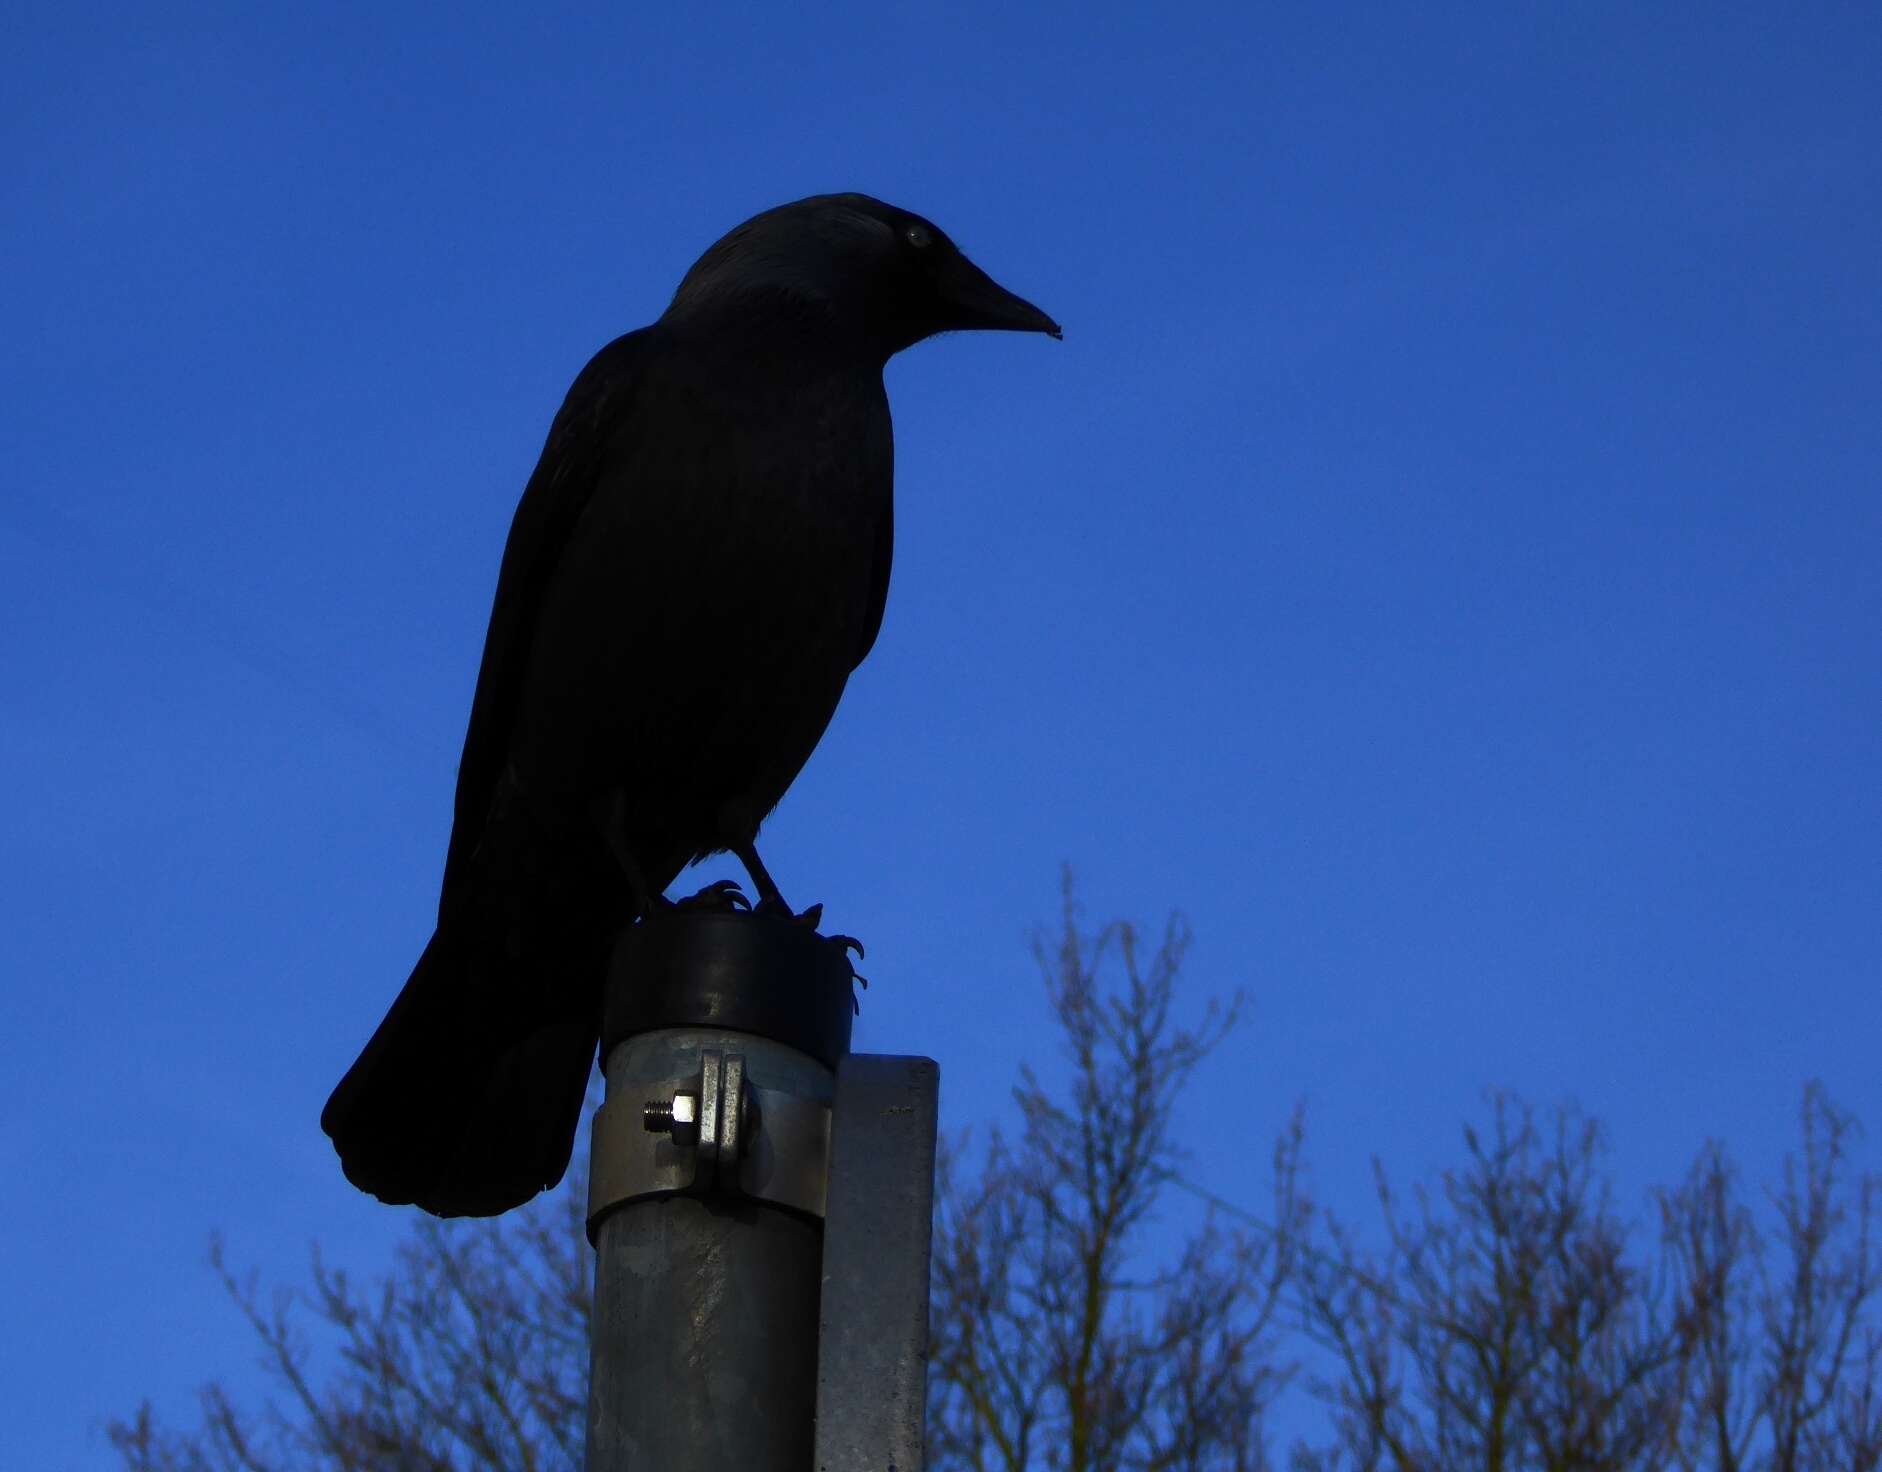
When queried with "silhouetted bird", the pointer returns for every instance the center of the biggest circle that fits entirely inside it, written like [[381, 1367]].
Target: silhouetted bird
[[697, 564]]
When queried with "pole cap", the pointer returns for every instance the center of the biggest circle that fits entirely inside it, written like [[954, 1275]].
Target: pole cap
[[760, 974]]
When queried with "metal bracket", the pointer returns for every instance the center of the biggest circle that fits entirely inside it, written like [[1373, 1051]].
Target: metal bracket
[[872, 1355], [714, 1132]]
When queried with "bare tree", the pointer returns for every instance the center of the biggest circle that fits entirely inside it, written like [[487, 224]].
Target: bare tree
[[1785, 1364], [1506, 1324], [470, 1356], [1055, 1344]]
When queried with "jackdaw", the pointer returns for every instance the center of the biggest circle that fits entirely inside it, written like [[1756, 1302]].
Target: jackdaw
[[698, 562]]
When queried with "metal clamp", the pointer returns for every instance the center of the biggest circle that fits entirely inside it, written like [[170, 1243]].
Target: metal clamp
[[714, 1132], [712, 1119]]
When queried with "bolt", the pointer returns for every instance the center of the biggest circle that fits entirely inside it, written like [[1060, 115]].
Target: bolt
[[679, 1118]]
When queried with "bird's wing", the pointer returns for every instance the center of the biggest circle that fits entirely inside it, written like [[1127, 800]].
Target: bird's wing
[[879, 588], [552, 503]]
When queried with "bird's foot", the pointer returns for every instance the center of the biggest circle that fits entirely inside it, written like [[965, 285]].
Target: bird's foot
[[774, 906], [721, 897]]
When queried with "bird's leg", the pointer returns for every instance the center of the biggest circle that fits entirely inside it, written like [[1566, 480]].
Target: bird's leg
[[770, 902], [609, 814]]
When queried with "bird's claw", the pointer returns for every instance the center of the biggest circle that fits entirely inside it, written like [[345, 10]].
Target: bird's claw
[[722, 896], [849, 943]]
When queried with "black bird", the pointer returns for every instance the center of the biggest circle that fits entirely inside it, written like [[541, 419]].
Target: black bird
[[698, 562]]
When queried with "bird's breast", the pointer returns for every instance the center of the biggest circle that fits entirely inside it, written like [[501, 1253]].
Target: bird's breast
[[780, 498]]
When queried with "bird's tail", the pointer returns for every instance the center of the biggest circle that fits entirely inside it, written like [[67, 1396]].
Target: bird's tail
[[467, 1100]]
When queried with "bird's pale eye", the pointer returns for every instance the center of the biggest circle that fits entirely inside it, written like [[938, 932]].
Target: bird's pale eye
[[918, 236]]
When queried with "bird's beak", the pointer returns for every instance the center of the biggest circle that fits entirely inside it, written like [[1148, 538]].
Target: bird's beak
[[978, 301]]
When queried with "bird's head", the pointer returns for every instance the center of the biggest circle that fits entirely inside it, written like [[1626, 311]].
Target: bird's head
[[850, 267]]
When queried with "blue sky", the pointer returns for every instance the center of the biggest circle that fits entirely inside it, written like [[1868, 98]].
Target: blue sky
[[1441, 559]]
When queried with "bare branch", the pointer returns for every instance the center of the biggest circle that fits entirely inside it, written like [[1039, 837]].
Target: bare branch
[[1054, 1345]]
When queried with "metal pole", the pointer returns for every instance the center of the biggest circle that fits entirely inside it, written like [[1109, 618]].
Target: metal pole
[[720, 1038], [872, 1355]]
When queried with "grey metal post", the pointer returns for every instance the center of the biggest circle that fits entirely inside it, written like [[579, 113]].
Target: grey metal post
[[706, 1210], [872, 1356]]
